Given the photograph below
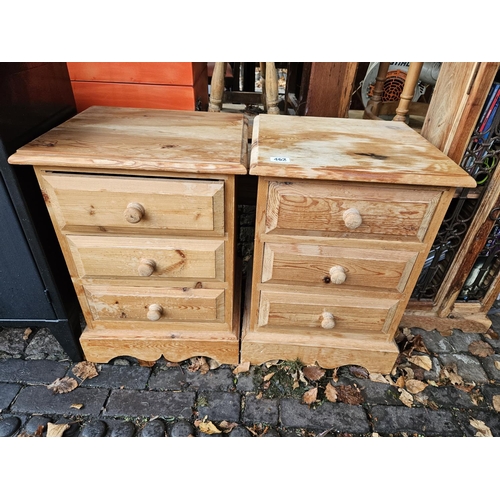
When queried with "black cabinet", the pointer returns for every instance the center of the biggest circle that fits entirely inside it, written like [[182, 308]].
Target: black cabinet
[[35, 286]]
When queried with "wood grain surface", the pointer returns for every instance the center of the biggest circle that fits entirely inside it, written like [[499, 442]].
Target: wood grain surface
[[133, 139], [349, 150]]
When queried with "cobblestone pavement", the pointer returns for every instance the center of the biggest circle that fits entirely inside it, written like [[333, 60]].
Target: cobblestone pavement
[[441, 386]]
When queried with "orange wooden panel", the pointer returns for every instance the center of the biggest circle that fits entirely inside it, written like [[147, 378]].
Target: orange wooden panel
[[167, 73], [133, 96], [201, 89]]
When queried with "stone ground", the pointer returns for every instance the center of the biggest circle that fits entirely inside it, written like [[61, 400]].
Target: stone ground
[[457, 396], [440, 387]]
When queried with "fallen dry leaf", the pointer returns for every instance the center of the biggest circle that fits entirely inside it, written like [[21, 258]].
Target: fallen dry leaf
[[335, 377], [359, 371], [496, 402], [27, 333], [242, 368], [213, 364], [251, 430], [400, 382], [418, 373], [476, 397], [269, 376], [227, 426], [418, 344], [407, 333], [481, 349], [375, 434], [482, 429], [171, 364], [415, 386], [207, 427], [378, 377], [310, 396], [39, 431], [451, 374], [433, 383], [85, 370], [409, 373], [199, 364], [415, 343], [56, 430], [301, 377], [424, 362], [406, 398], [273, 362], [313, 372], [331, 393], [147, 364], [63, 385], [349, 394], [423, 399], [497, 365], [77, 406]]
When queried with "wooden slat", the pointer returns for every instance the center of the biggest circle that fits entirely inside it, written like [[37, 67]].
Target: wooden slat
[[471, 246], [167, 73], [329, 89], [458, 97], [139, 95]]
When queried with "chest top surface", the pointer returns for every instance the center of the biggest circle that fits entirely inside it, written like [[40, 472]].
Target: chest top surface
[[143, 139], [348, 149]]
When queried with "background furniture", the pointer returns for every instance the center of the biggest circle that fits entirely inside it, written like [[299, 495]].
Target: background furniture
[[268, 97], [320, 89], [35, 287], [161, 85], [143, 204], [460, 281], [346, 213]]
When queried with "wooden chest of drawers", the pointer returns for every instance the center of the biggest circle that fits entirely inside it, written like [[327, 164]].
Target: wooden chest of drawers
[[346, 213], [143, 203]]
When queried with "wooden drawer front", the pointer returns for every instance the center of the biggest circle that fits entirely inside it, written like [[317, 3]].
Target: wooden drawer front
[[149, 258], [315, 206], [312, 265], [305, 311], [100, 202], [108, 303]]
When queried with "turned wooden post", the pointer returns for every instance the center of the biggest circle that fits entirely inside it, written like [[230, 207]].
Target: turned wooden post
[[271, 89], [217, 87], [408, 91], [373, 106]]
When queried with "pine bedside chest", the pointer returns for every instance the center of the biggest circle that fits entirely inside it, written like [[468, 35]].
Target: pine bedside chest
[[346, 213], [143, 204]]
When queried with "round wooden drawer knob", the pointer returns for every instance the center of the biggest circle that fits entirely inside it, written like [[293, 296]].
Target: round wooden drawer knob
[[352, 218], [146, 267], [327, 321], [337, 275], [155, 312], [134, 213]]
